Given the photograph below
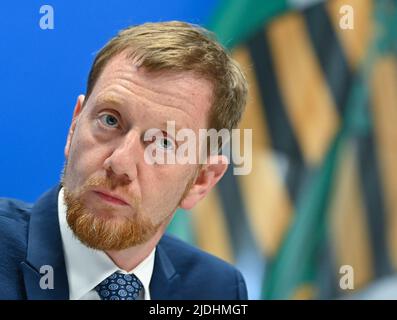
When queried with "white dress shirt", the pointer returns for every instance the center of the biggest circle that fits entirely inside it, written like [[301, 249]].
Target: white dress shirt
[[87, 267]]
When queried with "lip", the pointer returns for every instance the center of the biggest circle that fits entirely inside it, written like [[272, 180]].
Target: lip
[[111, 197]]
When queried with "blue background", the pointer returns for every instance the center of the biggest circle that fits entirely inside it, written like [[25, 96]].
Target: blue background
[[43, 72]]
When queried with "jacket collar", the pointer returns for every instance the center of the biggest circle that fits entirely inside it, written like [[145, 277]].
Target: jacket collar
[[45, 250], [165, 283]]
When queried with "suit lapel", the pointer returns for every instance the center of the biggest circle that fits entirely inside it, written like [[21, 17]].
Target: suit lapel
[[165, 283], [45, 249], [45, 252]]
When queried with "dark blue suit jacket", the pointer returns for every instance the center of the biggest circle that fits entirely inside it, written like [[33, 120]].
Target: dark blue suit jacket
[[30, 238]]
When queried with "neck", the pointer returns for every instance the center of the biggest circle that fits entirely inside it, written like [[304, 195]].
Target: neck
[[130, 258]]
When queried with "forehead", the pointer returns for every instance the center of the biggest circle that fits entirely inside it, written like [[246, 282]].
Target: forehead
[[166, 94]]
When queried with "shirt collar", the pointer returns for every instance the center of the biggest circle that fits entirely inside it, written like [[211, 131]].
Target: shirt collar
[[87, 267]]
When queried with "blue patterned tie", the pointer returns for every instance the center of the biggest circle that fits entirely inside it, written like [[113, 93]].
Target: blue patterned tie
[[119, 286]]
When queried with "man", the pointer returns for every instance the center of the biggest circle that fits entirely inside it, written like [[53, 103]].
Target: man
[[100, 233]]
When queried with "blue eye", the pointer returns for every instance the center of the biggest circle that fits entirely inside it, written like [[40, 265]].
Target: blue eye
[[109, 120], [164, 143]]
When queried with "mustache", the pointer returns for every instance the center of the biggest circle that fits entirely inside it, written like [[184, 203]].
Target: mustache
[[110, 184]]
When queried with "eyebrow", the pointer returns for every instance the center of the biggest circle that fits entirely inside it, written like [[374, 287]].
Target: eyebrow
[[113, 100], [109, 99]]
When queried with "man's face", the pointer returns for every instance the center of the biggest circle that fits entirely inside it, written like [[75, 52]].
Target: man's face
[[105, 154]]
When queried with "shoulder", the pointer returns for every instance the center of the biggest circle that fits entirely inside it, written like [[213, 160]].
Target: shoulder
[[189, 256], [14, 223], [197, 267], [14, 216]]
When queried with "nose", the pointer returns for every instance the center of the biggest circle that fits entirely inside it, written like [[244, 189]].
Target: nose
[[122, 162]]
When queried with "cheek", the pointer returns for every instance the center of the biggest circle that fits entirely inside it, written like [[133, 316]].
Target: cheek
[[84, 156], [165, 187]]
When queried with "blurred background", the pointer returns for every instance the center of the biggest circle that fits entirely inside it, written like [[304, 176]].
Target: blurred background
[[317, 216]]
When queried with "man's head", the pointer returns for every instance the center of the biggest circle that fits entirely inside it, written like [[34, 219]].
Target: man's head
[[145, 76]]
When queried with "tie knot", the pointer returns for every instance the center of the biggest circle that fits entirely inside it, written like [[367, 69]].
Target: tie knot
[[119, 286]]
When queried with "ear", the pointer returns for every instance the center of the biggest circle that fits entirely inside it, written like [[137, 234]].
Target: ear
[[206, 179], [76, 113]]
